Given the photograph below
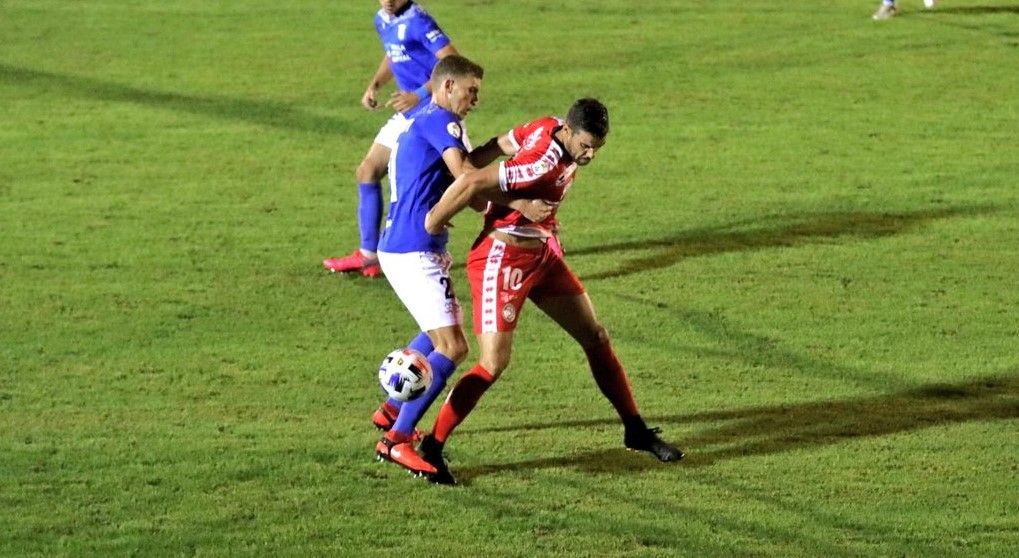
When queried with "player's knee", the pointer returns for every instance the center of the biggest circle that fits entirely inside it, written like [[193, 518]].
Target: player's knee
[[595, 336], [455, 349], [458, 351]]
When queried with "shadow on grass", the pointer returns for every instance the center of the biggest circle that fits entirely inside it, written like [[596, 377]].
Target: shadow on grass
[[785, 231], [767, 430], [974, 10], [948, 16], [265, 113]]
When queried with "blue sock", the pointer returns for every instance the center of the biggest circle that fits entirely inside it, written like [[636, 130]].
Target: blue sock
[[369, 214], [412, 411], [422, 344]]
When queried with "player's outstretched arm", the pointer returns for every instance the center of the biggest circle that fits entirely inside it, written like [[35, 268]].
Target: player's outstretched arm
[[459, 195]]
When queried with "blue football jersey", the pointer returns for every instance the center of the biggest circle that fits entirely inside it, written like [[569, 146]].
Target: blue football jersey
[[410, 39], [418, 176]]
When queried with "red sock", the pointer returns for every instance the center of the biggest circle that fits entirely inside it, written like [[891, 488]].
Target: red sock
[[611, 379], [462, 399]]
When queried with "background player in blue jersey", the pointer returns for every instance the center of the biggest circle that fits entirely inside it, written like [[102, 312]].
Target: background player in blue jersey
[[425, 161], [413, 43]]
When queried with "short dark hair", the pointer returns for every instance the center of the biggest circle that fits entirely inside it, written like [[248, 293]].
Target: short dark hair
[[456, 66], [589, 115]]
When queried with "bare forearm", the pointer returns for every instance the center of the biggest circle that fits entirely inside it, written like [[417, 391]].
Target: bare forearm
[[382, 75], [456, 197], [492, 150], [485, 154]]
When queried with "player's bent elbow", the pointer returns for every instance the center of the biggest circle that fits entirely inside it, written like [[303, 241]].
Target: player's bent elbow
[[432, 226]]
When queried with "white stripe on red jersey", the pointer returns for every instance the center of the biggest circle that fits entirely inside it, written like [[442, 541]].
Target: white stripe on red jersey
[[489, 287]]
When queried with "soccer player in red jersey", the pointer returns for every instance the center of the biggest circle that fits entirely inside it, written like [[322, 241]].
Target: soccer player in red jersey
[[514, 259]]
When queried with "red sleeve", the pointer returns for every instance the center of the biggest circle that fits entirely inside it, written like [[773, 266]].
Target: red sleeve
[[534, 162], [532, 170], [518, 136]]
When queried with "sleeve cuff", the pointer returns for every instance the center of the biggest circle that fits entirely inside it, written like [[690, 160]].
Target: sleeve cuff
[[503, 182], [513, 140]]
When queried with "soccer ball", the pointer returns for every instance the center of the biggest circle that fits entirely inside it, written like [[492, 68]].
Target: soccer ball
[[405, 374]]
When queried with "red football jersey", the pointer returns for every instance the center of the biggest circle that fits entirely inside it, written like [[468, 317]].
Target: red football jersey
[[541, 169]]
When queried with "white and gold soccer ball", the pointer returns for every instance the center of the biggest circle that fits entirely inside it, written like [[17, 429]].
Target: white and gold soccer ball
[[405, 374]]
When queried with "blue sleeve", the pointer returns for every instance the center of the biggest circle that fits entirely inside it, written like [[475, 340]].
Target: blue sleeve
[[442, 130], [429, 34]]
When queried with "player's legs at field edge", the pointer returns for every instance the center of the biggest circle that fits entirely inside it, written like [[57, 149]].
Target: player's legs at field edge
[[496, 349], [576, 315], [421, 281], [886, 10], [387, 412], [369, 176], [450, 350], [369, 179], [397, 445], [495, 354]]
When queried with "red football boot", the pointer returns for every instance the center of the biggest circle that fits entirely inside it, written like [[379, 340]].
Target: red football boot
[[356, 261], [385, 417], [403, 454]]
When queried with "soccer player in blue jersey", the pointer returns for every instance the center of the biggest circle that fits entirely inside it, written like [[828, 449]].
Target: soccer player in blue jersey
[[413, 43], [426, 159]]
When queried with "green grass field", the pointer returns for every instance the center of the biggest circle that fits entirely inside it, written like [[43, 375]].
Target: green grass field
[[803, 234]]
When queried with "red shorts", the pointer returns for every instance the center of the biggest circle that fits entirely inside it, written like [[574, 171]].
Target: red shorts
[[503, 276]]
